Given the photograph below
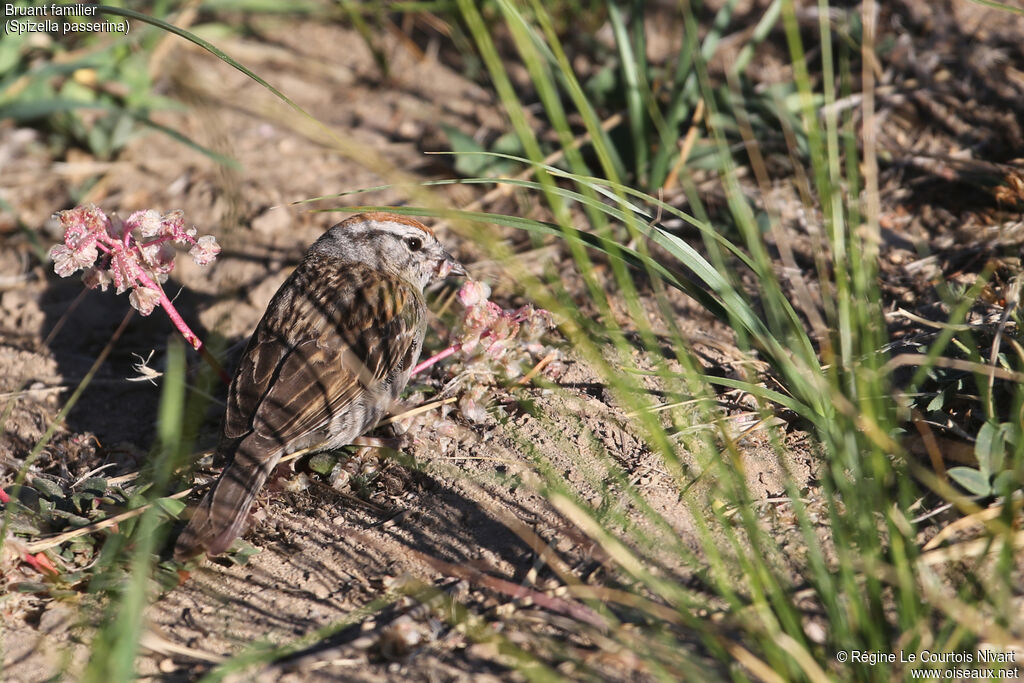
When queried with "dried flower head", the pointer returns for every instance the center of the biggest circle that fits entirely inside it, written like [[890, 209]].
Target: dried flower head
[[136, 254], [204, 250], [503, 337]]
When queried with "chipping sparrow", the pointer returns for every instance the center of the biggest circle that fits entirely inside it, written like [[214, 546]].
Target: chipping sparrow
[[331, 354]]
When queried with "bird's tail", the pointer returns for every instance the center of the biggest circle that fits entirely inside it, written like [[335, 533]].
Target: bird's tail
[[219, 519]]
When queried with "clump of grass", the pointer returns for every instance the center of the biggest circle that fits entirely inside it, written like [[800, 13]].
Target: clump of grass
[[862, 580], [98, 539]]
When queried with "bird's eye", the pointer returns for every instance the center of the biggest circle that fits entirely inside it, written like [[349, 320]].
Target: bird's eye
[[415, 243]]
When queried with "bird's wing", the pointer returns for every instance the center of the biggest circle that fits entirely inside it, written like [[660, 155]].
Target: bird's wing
[[297, 374]]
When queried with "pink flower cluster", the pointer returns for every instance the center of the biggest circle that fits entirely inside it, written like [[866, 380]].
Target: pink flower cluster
[[489, 328], [135, 254], [494, 339]]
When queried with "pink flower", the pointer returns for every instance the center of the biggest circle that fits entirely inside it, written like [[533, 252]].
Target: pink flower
[[82, 220], [63, 260], [505, 327], [76, 235], [144, 299], [205, 250], [472, 405], [479, 319], [474, 292], [536, 322], [173, 226], [94, 277], [492, 337], [136, 254], [123, 265], [83, 227], [147, 223], [158, 257], [126, 261], [496, 349]]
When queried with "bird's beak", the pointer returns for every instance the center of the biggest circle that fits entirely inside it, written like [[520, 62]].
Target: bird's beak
[[449, 266]]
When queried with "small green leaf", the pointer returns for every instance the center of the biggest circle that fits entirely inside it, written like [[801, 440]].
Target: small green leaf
[[49, 489], [241, 551], [23, 498], [466, 161], [170, 506], [97, 485], [73, 519], [323, 463], [24, 525], [83, 502], [1005, 483], [990, 448], [29, 587], [971, 479]]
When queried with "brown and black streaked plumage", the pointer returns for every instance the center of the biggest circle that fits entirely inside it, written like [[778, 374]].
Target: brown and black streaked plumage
[[331, 354]]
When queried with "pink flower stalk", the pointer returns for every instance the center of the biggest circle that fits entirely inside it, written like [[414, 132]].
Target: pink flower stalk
[[136, 254], [491, 331]]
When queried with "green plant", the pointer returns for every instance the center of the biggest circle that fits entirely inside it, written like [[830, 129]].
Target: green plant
[[88, 89], [864, 571], [993, 443]]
